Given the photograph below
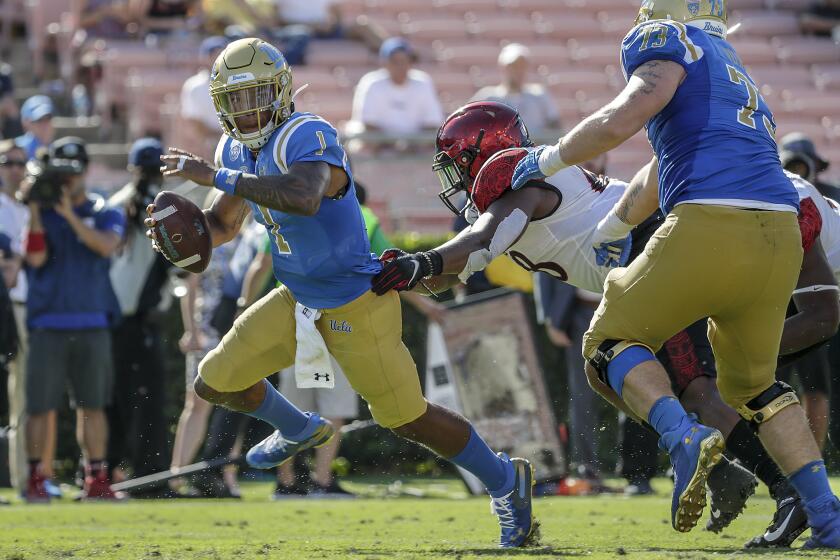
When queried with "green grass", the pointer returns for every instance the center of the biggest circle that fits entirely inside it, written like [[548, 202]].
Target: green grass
[[377, 527]]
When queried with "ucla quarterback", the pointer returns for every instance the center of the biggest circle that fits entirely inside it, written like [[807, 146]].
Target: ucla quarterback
[[729, 249], [289, 169]]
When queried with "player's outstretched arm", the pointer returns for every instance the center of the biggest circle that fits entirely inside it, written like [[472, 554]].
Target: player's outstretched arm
[[649, 90], [639, 201], [817, 306]]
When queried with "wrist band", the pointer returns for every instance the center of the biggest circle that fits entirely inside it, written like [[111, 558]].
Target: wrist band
[[226, 180], [36, 242], [550, 161], [612, 227]]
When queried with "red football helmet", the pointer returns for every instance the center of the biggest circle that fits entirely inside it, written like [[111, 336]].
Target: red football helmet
[[468, 138]]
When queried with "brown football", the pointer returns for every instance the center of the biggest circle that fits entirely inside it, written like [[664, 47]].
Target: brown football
[[182, 232]]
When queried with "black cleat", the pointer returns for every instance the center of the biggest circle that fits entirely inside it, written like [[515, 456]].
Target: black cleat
[[730, 486], [789, 522]]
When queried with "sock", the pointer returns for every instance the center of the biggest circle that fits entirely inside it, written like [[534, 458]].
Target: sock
[[744, 444], [95, 466], [283, 415], [811, 482], [34, 466], [495, 473], [665, 416], [621, 365]]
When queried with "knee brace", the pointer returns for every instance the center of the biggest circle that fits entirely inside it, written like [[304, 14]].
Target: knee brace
[[766, 405], [610, 350]]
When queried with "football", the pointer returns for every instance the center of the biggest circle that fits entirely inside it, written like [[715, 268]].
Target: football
[[182, 232]]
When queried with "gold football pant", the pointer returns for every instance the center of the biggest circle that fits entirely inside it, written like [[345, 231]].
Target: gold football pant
[[737, 267], [364, 336]]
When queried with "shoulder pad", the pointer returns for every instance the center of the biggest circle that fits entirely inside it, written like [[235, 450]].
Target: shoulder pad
[[495, 176]]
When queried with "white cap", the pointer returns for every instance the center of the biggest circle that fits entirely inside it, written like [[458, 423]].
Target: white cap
[[513, 52]]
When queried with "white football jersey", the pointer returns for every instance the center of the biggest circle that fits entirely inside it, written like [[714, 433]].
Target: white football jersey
[[561, 244], [826, 221]]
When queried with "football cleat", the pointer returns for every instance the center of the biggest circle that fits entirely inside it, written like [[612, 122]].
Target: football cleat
[[789, 522], [36, 493], [516, 519], [730, 486], [693, 457], [275, 450], [824, 520]]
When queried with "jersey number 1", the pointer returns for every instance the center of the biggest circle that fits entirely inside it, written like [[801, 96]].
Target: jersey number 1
[[282, 246]]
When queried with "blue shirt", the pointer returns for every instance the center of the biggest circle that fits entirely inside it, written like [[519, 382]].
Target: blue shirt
[[715, 139], [325, 259], [73, 288]]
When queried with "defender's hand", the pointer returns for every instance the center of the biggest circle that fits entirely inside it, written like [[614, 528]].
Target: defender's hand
[[189, 166], [528, 169], [400, 273], [613, 254]]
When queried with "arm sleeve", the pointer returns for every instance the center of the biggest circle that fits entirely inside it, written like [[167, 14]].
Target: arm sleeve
[[810, 223], [315, 140], [659, 40]]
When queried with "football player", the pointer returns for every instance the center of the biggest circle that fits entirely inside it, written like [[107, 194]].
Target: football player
[[556, 222], [288, 168], [729, 249]]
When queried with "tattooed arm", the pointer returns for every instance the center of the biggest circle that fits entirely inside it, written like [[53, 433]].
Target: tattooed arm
[[299, 191], [641, 199], [225, 217], [650, 89]]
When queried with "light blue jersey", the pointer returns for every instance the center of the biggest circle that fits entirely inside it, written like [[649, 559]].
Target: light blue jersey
[[325, 259], [715, 139]]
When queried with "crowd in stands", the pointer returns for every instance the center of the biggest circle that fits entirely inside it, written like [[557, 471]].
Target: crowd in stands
[[87, 293]]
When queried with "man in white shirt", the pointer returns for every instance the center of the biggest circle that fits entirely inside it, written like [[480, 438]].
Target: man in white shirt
[[201, 125], [14, 218], [531, 101], [397, 99]]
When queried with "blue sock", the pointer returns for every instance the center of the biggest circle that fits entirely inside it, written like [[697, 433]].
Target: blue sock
[[665, 416], [811, 482], [283, 415], [620, 366], [489, 468]]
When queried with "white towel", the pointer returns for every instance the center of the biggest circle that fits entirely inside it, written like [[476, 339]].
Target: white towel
[[313, 367]]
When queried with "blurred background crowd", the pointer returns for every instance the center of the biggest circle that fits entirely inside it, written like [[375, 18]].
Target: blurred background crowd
[[90, 312]]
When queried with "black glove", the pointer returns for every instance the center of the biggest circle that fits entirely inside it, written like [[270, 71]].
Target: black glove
[[402, 272]]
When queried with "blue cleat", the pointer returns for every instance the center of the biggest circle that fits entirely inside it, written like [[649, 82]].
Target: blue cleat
[[514, 509], [693, 456], [825, 525], [275, 450]]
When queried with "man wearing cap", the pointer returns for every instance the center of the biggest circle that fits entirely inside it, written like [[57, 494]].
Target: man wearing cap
[[799, 155], [397, 99], [140, 277], [36, 114], [201, 124], [531, 101], [70, 306]]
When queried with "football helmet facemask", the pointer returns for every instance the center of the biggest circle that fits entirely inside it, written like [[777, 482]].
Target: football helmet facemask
[[251, 80], [708, 15], [468, 138]]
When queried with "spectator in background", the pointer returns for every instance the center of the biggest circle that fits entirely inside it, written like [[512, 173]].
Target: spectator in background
[[822, 18], [325, 20], [9, 115], [799, 155], [198, 306], [36, 114], [140, 277], [70, 307], [397, 99], [14, 218], [107, 19], [533, 103], [201, 128]]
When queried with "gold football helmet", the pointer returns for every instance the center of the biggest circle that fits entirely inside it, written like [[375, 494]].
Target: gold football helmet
[[251, 87], [709, 15]]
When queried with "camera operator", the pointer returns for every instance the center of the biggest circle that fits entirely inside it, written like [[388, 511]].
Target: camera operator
[[70, 306], [140, 277]]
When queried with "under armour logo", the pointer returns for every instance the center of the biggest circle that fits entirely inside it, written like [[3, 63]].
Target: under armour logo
[[318, 376]]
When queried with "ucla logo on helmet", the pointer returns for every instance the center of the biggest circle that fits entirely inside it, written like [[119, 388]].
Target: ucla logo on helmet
[[273, 55], [693, 7]]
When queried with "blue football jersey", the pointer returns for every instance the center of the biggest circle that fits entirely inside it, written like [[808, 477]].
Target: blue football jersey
[[715, 139], [325, 259]]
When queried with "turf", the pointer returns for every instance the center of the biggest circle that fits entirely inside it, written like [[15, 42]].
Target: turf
[[375, 527]]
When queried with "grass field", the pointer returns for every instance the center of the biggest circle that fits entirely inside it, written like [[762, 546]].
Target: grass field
[[372, 528]]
